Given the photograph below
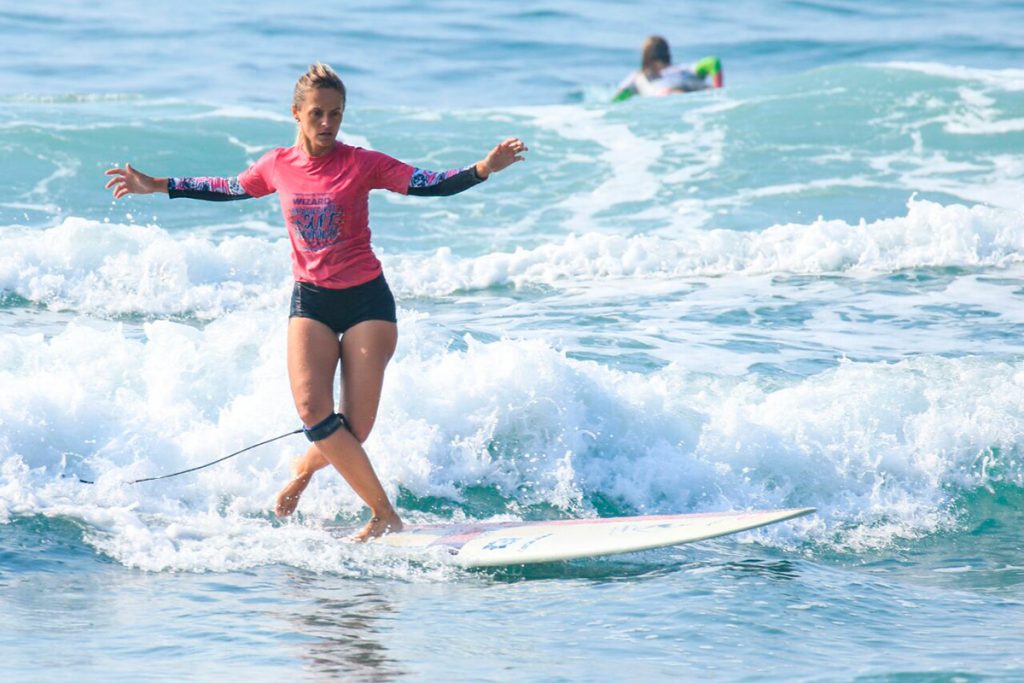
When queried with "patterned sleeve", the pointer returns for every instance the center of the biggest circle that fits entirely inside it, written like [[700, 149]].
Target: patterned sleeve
[[426, 183], [209, 189]]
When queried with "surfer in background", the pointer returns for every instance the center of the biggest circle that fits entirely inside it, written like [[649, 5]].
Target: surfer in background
[[340, 292], [658, 76]]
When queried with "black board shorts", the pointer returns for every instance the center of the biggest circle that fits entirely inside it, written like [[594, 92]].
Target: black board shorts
[[340, 309]]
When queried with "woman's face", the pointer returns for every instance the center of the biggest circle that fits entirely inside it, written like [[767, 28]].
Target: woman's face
[[319, 119]]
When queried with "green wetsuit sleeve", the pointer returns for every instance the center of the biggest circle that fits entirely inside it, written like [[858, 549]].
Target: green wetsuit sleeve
[[709, 66]]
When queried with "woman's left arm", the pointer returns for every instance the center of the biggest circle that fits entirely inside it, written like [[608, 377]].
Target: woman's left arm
[[710, 66], [442, 184]]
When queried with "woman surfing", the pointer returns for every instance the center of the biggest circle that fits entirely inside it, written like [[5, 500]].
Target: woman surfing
[[342, 310]]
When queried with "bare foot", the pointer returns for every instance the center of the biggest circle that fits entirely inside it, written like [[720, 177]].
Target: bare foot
[[378, 526], [288, 496]]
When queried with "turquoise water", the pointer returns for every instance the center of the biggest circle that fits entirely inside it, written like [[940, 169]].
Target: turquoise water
[[806, 289]]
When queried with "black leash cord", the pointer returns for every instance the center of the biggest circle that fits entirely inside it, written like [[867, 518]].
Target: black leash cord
[[193, 469]]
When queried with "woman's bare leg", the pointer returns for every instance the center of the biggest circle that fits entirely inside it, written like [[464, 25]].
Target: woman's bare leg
[[303, 469], [365, 381], [313, 355], [366, 349]]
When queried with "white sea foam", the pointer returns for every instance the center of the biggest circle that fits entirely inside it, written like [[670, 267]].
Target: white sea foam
[[881, 449], [114, 269], [108, 268], [1010, 79], [66, 166], [930, 235], [978, 113], [627, 157], [237, 112], [997, 177], [251, 150], [34, 125], [72, 98]]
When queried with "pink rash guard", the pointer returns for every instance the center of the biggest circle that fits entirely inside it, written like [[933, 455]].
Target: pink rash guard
[[325, 204]]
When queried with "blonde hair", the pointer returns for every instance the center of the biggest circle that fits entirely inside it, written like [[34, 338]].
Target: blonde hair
[[319, 76]]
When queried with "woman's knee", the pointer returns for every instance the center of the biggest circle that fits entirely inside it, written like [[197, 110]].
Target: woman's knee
[[312, 411], [360, 428]]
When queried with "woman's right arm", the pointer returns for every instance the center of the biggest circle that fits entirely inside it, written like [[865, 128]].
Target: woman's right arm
[[626, 89], [128, 180]]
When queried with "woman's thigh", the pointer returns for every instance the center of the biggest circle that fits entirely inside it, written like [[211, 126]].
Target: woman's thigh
[[366, 349], [313, 355]]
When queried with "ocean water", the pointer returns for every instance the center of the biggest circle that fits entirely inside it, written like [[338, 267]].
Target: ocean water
[[805, 289]]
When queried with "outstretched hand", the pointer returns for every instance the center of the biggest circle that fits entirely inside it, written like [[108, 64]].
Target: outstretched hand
[[128, 180], [501, 157]]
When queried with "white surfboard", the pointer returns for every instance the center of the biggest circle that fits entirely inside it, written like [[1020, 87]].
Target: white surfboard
[[499, 544]]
